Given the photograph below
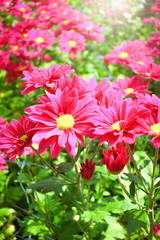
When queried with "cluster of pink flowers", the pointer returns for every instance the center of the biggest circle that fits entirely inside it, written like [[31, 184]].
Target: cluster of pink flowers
[[73, 107], [37, 27]]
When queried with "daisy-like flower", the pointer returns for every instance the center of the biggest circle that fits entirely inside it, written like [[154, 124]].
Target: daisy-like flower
[[40, 38], [44, 77], [62, 120], [120, 54], [148, 70], [119, 122], [72, 42], [16, 136], [151, 126], [131, 86]]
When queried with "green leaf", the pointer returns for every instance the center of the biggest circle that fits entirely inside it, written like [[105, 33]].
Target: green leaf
[[6, 212], [48, 185], [132, 189], [114, 231], [133, 178], [62, 167]]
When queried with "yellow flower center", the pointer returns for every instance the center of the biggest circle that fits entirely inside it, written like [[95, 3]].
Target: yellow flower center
[[39, 40], [66, 21], [129, 90], [25, 35], [54, 4], [142, 63], [116, 126], [65, 121], [148, 75], [15, 48], [47, 17], [21, 68], [22, 9], [25, 16], [77, 19], [72, 43], [123, 54], [88, 28], [72, 30], [43, 11], [7, 30], [64, 13], [155, 129]]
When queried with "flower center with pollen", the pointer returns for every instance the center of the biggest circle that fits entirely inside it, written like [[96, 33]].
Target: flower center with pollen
[[65, 121], [116, 126], [39, 40], [72, 43], [155, 129], [129, 90], [123, 54]]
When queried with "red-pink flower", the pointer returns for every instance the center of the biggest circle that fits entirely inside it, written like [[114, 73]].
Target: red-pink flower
[[44, 77], [16, 136], [148, 70], [130, 86], [156, 230], [119, 122], [2, 162], [62, 119], [115, 159], [72, 42], [87, 169]]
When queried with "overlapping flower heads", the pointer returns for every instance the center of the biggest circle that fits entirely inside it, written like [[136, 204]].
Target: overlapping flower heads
[[37, 27]]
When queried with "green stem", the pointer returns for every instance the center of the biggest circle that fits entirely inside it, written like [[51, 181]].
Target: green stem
[[151, 197], [50, 167], [156, 194], [136, 168], [127, 193], [88, 191], [94, 154]]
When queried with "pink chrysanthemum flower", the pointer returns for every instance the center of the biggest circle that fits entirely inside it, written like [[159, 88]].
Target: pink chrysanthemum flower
[[40, 38], [131, 86], [72, 42], [118, 123], [44, 77], [16, 136], [62, 120], [148, 70], [151, 126]]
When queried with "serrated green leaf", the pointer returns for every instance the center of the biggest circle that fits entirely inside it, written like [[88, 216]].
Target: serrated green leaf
[[133, 178], [48, 185], [62, 167]]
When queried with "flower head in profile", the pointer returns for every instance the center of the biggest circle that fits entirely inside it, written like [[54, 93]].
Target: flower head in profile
[[115, 159], [2, 123], [62, 119], [16, 136], [87, 169], [44, 77]]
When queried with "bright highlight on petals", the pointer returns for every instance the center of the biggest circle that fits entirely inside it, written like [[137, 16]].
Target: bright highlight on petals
[[39, 40], [123, 54], [116, 126], [155, 129], [65, 121], [72, 43], [129, 90]]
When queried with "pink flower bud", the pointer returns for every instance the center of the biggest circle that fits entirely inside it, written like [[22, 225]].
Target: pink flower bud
[[87, 169]]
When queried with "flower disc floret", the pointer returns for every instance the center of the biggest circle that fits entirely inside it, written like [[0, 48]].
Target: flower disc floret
[[39, 40], [129, 90], [116, 125], [123, 54], [72, 43], [155, 129], [65, 121]]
